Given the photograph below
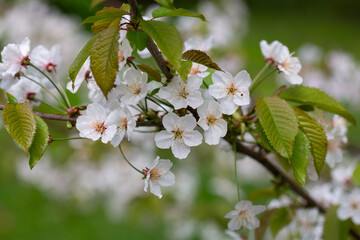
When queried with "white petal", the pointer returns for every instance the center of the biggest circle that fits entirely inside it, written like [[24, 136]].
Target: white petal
[[109, 133], [180, 150], [170, 121], [163, 139], [155, 188], [228, 106], [188, 122], [167, 180], [193, 138], [242, 79]]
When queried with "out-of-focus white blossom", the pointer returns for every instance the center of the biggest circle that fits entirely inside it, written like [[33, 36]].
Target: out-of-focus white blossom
[[181, 94], [244, 215], [270, 51], [350, 207], [125, 51], [46, 60], [231, 92], [159, 175], [342, 176], [26, 90], [179, 134]]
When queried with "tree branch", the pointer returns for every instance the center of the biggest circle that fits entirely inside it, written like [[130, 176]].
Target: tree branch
[[151, 46]]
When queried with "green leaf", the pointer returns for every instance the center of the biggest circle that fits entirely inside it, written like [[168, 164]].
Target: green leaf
[[167, 38], [137, 40], [178, 12], [19, 121], [81, 58], [12, 99], [103, 22], [334, 228], [317, 98], [279, 219], [208, 80], [356, 175], [101, 25], [104, 58], [279, 123], [166, 3], [152, 73], [93, 19], [200, 57], [264, 140], [316, 135], [94, 3], [185, 69], [40, 142], [300, 157]]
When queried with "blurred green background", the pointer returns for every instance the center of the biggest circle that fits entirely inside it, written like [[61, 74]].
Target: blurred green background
[[29, 212]]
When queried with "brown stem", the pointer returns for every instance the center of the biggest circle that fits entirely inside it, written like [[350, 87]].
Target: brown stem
[[73, 119]]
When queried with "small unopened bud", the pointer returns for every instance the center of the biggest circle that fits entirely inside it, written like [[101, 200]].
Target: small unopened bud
[[69, 125], [72, 111]]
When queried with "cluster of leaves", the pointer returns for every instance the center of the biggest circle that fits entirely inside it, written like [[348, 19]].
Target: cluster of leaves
[[103, 47], [30, 132], [291, 132]]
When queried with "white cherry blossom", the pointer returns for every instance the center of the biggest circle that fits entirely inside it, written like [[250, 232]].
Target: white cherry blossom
[[159, 175], [25, 90], [46, 60], [127, 125], [181, 94], [97, 123], [179, 135], [13, 61], [214, 126], [125, 51], [270, 51], [350, 207], [289, 65], [84, 74], [342, 176], [134, 87], [198, 70], [231, 92], [244, 215]]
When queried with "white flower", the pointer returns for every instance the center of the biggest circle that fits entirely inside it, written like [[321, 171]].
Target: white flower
[[214, 126], [289, 65], [350, 207], [309, 223], [134, 87], [127, 125], [26, 90], [244, 215], [96, 123], [231, 92], [84, 74], [159, 175], [343, 175], [334, 152], [198, 44], [13, 57], [179, 134], [270, 51], [181, 94], [198, 70], [45, 59], [283, 201], [125, 51], [326, 195]]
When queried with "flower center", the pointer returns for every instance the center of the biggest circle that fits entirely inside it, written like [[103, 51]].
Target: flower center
[[355, 205], [30, 96], [123, 123], [211, 120], [121, 57], [135, 88], [99, 126], [50, 67], [155, 174], [231, 90], [178, 133], [195, 70], [243, 214], [183, 93]]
